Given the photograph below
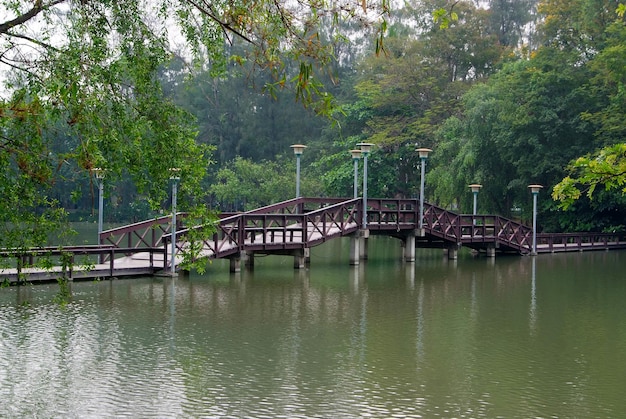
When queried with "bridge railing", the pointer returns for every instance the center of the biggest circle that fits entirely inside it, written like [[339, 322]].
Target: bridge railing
[[272, 231], [259, 231], [307, 221], [513, 234], [148, 233], [296, 206], [391, 213], [67, 259], [339, 219], [559, 242]]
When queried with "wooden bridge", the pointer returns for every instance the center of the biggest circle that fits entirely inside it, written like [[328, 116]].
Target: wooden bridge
[[292, 228]]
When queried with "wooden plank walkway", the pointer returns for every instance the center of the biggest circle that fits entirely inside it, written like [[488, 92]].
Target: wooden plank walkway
[[83, 264]]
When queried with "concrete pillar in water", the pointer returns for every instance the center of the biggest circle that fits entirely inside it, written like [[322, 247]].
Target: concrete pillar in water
[[235, 264], [453, 252], [355, 249], [248, 259], [365, 234], [491, 251], [299, 259], [409, 247]]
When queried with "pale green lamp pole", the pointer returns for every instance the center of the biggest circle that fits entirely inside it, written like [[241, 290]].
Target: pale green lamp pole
[[174, 177], [99, 175], [356, 155], [423, 154], [298, 149], [534, 189], [365, 150], [475, 187]]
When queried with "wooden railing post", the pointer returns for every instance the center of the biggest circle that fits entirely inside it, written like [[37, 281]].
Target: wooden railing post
[[111, 261]]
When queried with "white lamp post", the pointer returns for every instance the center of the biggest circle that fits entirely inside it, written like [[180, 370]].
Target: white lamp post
[[534, 189], [365, 150], [475, 187], [298, 149], [423, 154], [174, 177], [356, 155], [99, 175]]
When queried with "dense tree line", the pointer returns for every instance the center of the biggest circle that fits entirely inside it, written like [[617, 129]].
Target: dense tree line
[[519, 92]]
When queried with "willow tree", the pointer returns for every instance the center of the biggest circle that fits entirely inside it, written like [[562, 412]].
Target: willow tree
[[81, 89]]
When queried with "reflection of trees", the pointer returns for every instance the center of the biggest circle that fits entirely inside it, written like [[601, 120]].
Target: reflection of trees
[[429, 339]]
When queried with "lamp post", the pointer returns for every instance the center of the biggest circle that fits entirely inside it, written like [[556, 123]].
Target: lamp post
[[423, 154], [297, 150], [356, 155], [174, 177], [99, 175], [365, 150], [475, 187], [534, 189]]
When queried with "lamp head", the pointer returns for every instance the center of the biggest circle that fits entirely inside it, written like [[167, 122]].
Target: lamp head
[[298, 149], [98, 172], [534, 189], [365, 148], [423, 152], [475, 187], [174, 173], [356, 154]]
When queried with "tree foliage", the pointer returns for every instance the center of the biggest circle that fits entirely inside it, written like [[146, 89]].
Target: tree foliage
[[401, 99], [243, 185], [83, 91], [606, 167], [532, 117], [603, 164]]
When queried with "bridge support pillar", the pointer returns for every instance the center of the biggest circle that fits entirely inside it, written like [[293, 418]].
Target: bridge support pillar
[[409, 247], [248, 259], [355, 249], [453, 252], [244, 258], [235, 264], [300, 258], [365, 234], [491, 251]]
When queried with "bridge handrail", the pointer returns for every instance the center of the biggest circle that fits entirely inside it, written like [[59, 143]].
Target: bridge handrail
[[25, 258], [310, 219], [115, 236], [254, 228], [333, 220], [390, 213], [561, 241]]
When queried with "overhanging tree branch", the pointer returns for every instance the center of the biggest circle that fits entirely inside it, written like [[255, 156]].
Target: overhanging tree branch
[[25, 17], [225, 26], [32, 40]]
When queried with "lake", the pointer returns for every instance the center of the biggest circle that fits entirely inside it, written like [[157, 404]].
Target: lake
[[513, 337]]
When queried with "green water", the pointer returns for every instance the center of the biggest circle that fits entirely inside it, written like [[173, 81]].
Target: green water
[[517, 337]]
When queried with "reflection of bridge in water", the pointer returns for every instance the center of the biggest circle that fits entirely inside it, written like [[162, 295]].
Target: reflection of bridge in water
[[295, 226]]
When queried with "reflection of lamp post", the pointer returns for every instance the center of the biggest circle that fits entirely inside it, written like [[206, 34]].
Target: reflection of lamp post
[[475, 187], [534, 189], [423, 153], [99, 175], [365, 150], [356, 155], [297, 150], [174, 177]]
